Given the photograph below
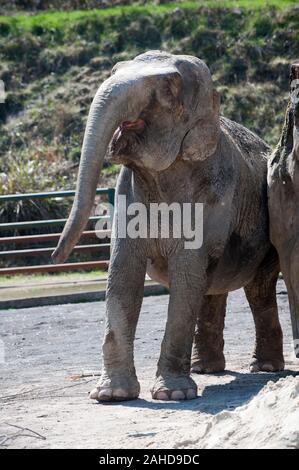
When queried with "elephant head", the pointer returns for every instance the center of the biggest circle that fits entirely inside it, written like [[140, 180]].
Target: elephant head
[[148, 112]]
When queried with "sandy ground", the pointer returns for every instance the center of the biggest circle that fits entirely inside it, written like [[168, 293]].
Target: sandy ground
[[44, 406]]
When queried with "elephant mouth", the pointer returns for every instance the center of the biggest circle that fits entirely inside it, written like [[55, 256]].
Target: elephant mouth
[[126, 127], [132, 126], [125, 139]]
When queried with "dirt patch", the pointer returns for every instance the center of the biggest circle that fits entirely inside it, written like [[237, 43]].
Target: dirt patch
[[46, 347]]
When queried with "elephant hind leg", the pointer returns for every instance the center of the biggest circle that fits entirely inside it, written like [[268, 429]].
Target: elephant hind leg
[[289, 256], [208, 344], [261, 295]]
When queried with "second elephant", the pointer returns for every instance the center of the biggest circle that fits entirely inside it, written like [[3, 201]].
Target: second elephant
[[283, 180]]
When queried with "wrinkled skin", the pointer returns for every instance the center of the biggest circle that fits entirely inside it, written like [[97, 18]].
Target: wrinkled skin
[[158, 115], [283, 181]]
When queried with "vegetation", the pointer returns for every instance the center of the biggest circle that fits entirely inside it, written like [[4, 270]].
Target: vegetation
[[68, 5], [66, 277], [53, 61]]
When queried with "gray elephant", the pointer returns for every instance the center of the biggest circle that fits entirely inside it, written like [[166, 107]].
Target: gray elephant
[[158, 115], [283, 181]]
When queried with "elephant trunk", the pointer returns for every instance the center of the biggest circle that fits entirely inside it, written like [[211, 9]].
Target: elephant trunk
[[118, 99]]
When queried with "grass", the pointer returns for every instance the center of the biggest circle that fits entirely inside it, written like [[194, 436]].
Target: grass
[[58, 284], [111, 170], [58, 20], [50, 278]]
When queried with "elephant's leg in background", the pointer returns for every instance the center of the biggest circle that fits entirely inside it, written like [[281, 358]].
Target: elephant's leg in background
[[208, 343], [173, 381], [124, 298], [290, 270], [261, 295]]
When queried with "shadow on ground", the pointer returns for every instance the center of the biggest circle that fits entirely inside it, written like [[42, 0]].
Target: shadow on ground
[[214, 398]]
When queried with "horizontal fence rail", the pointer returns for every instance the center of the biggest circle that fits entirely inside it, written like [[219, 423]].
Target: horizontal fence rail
[[52, 237], [6, 255], [48, 251], [44, 223], [48, 195], [55, 268]]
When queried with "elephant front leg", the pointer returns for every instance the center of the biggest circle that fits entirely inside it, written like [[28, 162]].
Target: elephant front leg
[[173, 381], [208, 343], [124, 298]]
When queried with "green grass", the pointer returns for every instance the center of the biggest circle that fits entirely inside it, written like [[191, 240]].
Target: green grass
[[112, 169], [24, 279], [58, 20]]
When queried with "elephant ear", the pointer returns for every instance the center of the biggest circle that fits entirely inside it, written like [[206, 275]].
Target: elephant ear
[[202, 139], [169, 94]]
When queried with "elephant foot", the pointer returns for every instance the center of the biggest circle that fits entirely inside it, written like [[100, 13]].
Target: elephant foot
[[266, 365], [116, 388], [173, 387], [208, 365]]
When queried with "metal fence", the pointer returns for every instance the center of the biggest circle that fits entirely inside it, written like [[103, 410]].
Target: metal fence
[[23, 240]]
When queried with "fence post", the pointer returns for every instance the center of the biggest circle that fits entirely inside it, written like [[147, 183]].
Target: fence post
[[111, 200], [2, 92]]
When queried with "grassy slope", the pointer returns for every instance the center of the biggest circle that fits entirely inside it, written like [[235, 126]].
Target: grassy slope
[[53, 62], [57, 19]]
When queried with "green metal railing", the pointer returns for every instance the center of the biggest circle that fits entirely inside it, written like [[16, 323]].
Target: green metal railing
[[54, 194], [41, 238], [43, 223]]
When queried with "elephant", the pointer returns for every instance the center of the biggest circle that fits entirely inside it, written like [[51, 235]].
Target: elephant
[[283, 192], [158, 115]]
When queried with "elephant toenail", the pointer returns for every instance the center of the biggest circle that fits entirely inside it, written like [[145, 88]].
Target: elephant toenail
[[93, 395], [178, 395], [105, 394], [161, 396], [267, 367]]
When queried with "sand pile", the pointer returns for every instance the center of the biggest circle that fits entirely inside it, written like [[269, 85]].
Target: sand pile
[[269, 420]]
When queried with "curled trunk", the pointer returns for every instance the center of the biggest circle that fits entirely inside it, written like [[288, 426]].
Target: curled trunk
[[116, 100]]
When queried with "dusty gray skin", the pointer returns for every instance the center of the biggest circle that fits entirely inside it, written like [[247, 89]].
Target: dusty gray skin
[[158, 115], [283, 181]]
